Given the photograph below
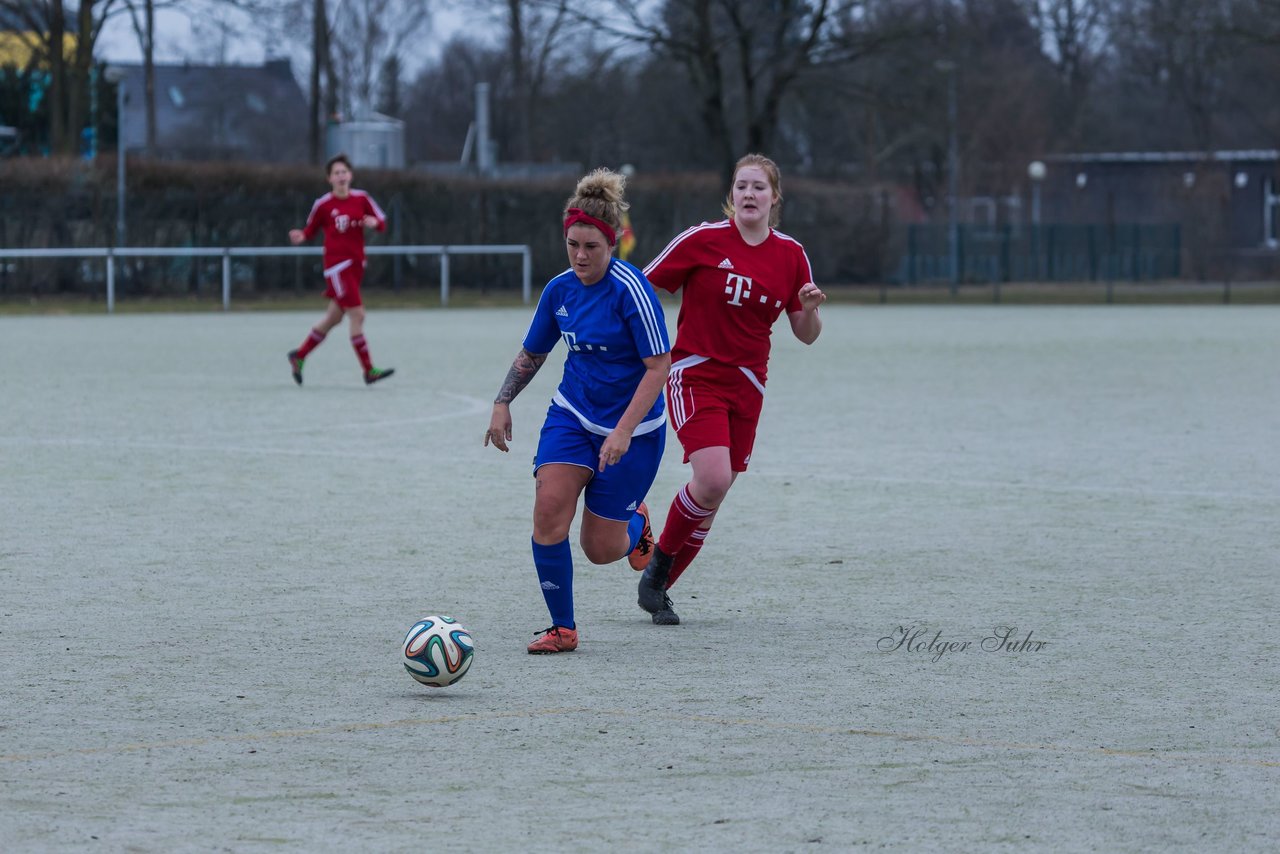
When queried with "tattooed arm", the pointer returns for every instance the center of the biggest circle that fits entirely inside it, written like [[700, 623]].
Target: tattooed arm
[[524, 367]]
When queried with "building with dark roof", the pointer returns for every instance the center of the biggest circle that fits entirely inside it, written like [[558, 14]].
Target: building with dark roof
[[219, 112], [1235, 192]]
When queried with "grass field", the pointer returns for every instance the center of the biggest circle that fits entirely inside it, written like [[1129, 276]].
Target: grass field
[[999, 578]]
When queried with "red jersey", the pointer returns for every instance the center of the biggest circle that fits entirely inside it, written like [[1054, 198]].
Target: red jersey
[[733, 291], [340, 220]]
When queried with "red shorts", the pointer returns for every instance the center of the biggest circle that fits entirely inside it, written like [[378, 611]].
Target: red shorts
[[712, 405], [343, 283]]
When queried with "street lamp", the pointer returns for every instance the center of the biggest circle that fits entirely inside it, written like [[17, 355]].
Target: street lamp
[[1036, 170], [116, 75], [948, 67]]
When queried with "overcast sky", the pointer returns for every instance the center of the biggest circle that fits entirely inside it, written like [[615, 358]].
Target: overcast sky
[[178, 41]]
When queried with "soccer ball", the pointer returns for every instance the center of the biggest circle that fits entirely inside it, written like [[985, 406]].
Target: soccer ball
[[438, 651]]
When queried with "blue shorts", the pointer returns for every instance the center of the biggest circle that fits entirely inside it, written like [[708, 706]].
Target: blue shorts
[[616, 492]]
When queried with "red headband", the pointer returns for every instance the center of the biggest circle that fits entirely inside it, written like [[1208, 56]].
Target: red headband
[[574, 215]]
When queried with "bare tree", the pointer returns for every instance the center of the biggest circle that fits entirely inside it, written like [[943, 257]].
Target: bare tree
[[534, 40], [1076, 34], [1183, 48], [145, 30], [364, 34], [743, 57]]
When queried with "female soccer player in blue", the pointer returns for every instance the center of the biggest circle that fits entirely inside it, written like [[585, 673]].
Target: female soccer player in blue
[[606, 427]]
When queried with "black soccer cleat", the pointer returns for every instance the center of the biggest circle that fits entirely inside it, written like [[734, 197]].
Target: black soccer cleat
[[667, 616], [373, 375], [651, 593], [295, 365]]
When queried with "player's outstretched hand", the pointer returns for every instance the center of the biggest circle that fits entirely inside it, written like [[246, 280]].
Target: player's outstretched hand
[[811, 296], [369, 221], [499, 432], [296, 236]]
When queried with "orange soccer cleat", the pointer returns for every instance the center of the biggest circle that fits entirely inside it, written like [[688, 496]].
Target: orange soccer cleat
[[639, 557], [554, 639]]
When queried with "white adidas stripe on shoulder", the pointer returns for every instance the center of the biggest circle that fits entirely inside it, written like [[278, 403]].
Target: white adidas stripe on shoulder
[[377, 210], [800, 246], [637, 289], [684, 235], [316, 205]]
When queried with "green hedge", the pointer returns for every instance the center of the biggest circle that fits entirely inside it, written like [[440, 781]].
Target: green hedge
[[52, 203]]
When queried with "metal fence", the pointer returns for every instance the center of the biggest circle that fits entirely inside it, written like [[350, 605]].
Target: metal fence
[[1046, 253], [227, 253]]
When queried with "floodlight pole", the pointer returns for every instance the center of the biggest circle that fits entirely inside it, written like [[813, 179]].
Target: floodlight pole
[[1036, 171], [953, 167], [948, 67], [120, 95]]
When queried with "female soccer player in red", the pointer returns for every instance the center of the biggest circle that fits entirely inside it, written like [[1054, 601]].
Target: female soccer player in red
[[605, 429], [342, 214], [738, 275]]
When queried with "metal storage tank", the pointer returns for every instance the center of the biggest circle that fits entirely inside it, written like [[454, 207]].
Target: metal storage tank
[[373, 141]]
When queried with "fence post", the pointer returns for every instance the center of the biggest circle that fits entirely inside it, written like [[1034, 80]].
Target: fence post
[[444, 275], [111, 281], [1137, 253], [526, 275], [396, 265], [1050, 274], [911, 254], [226, 278]]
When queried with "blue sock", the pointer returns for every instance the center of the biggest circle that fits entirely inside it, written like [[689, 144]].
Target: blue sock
[[555, 572], [634, 529]]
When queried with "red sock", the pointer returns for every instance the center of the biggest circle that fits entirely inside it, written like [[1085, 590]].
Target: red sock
[[362, 351], [686, 554], [684, 516], [312, 342]]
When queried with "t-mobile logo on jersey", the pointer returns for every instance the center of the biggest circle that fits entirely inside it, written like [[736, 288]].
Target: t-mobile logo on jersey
[[738, 288], [341, 222], [571, 341]]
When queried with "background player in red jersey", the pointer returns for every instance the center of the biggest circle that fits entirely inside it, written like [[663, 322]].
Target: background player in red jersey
[[342, 214], [737, 276]]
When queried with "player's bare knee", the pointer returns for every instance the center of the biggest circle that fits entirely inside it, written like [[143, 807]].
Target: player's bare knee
[[710, 491], [550, 527], [601, 553]]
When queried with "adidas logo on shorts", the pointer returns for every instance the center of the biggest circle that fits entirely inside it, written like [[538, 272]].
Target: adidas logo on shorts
[[632, 507]]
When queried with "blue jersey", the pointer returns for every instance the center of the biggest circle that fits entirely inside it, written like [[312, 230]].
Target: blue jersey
[[609, 328]]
